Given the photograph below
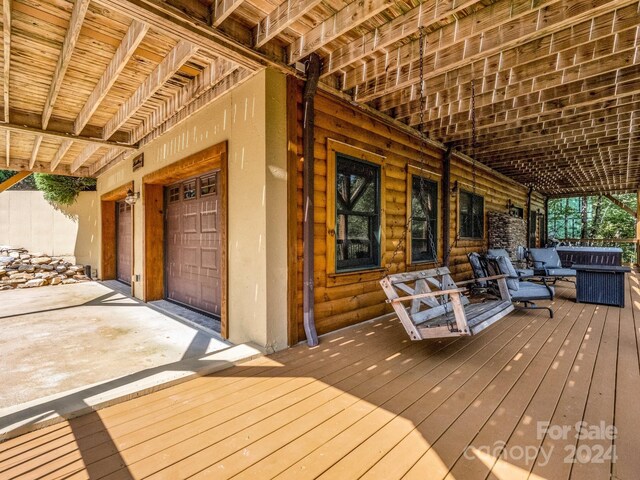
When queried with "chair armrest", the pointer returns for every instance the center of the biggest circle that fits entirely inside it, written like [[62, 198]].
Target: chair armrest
[[453, 291]]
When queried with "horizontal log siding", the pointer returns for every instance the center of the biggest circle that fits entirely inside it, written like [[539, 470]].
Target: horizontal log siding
[[342, 300]]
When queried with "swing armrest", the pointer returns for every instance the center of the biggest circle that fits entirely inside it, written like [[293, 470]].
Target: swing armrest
[[453, 291], [493, 277]]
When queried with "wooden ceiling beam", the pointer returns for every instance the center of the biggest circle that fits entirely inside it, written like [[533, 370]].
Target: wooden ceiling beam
[[26, 123], [491, 30], [425, 15], [548, 61], [541, 125], [182, 52], [221, 10], [12, 180], [35, 150], [82, 158], [285, 15], [73, 32], [458, 98], [20, 164], [6, 44], [524, 107], [132, 39], [64, 148], [233, 79], [211, 75], [341, 22]]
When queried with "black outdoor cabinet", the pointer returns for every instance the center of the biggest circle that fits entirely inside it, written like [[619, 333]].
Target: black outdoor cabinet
[[601, 284]]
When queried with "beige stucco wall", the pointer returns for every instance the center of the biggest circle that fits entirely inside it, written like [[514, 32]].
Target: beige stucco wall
[[29, 221], [257, 236]]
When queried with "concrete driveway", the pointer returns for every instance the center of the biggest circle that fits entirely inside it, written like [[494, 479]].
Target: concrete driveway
[[55, 340]]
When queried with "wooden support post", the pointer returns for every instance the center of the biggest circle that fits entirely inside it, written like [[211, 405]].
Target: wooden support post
[[529, 217], [545, 227], [11, 181], [446, 205]]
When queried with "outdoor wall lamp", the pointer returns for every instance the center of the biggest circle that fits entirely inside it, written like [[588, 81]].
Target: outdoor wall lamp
[[131, 197]]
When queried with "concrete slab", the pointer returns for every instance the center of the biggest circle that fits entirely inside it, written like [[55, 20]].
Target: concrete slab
[[82, 346]]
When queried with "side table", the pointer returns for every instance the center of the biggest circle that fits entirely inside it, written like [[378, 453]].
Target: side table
[[600, 284]]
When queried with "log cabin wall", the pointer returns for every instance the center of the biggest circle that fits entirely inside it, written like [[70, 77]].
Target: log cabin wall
[[344, 299]]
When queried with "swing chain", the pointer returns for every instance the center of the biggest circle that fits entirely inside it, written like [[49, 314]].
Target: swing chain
[[407, 226]]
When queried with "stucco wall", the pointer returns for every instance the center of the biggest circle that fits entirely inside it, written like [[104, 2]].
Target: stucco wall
[[29, 221], [257, 190]]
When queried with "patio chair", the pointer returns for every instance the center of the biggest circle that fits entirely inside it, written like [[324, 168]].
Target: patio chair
[[522, 291], [501, 252], [546, 261]]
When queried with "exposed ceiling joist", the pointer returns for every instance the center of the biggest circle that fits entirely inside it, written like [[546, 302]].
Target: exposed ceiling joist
[[172, 62], [234, 78], [36, 149], [21, 164], [26, 127], [423, 16], [6, 68], [73, 32], [341, 22], [64, 148], [131, 41], [285, 15], [489, 37], [222, 9], [82, 158]]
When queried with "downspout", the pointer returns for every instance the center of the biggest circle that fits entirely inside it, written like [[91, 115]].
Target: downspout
[[446, 205], [308, 95]]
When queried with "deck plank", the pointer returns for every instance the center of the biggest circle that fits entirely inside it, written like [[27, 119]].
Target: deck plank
[[368, 402]]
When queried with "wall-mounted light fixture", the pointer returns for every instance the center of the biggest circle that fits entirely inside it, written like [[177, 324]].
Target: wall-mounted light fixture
[[132, 197]]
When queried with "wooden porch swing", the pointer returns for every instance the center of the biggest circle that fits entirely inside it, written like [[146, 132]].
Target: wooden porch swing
[[445, 311]]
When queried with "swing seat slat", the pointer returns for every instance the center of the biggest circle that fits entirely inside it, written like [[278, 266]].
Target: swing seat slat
[[444, 312]]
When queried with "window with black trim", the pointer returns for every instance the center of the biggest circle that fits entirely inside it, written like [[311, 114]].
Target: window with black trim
[[471, 215], [357, 213], [424, 219]]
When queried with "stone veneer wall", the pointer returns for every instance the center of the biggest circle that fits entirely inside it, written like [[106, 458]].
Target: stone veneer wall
[[506, 232]]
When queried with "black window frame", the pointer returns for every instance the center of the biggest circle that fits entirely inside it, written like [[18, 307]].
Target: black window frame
[[467, 229], [418, 181], [373, 259]]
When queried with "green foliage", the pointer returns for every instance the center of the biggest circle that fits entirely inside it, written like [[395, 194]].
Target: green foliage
[[26, 184], [61, 190], [605, 220]]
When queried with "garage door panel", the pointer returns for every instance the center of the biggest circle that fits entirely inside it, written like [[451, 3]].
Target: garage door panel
[[193, 244], [124, 240]]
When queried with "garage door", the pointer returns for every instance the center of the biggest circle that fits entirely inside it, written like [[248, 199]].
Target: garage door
[[192, 252], [123, 245]]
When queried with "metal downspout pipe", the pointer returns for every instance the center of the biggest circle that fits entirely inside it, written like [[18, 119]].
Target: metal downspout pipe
[[312, 70]]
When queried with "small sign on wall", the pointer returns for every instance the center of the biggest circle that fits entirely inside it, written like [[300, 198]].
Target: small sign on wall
[[138, 162]]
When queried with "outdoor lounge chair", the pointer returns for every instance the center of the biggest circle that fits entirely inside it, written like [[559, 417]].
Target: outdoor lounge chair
[[546, 261], [521, 291], [501, 252]]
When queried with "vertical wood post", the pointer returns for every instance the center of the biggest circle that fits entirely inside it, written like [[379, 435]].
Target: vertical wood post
[[545, 239], [529, 193], [446, 205], [310, 87]]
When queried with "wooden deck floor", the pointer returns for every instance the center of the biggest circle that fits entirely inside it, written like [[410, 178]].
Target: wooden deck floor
[[368, 403]]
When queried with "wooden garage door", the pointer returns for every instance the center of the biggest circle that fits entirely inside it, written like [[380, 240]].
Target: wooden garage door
[[124, 239], [192, 251]]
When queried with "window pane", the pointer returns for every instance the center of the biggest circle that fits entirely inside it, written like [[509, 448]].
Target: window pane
[[357, 213], [471, 215], [424, 210], [189, 190]]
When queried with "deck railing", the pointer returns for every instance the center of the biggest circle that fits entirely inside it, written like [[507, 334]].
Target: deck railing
[[629, 246]]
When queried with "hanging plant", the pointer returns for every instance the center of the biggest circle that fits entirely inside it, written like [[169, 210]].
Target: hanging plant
[[60, 190]]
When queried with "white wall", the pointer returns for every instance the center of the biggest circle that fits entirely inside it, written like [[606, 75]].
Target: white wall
[[29, 221], [257, 200]]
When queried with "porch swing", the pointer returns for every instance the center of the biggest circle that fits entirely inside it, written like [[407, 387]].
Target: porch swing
[[433, 305]]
